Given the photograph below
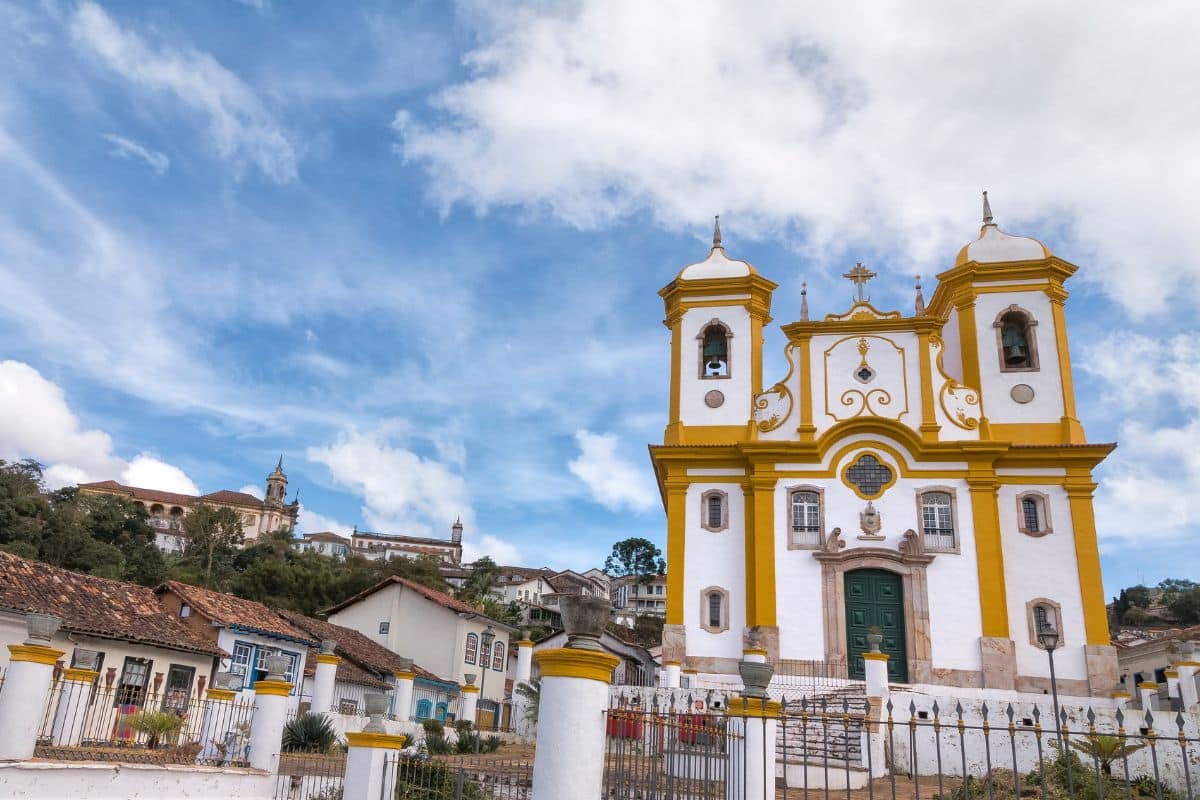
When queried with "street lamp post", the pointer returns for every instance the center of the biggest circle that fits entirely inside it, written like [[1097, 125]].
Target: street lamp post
[[1048, 638], [485, 644]]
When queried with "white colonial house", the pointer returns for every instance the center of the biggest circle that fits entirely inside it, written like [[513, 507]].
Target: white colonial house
[[246, 630], [326, 543], [380, 546], [924, 474], [443, 634], [635, 596]]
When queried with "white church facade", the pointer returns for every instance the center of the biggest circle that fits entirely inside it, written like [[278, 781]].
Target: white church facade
[[924, 475]]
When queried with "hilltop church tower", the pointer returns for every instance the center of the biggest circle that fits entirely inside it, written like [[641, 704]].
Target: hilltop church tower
[[925, 474]]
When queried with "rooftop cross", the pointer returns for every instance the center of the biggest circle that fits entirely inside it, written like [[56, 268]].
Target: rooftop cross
[[859, 276]]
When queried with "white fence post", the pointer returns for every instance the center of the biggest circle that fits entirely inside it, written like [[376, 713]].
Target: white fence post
[[26, 686], [74, 693], [325, 677], [1148, 691], [270, 714], [469, 699], [215, 726], [670, 674], [402, 699], [1187, 685], [366, 759], [750, 770]]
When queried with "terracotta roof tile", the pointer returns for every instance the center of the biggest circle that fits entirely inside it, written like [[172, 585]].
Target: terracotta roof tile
[[233, 498], [441, 598], [232, 611], [95, 606], [154, 495]]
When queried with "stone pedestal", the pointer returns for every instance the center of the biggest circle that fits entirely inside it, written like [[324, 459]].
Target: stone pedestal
[[1148, 691], [755, 655], [215, 726], [266, 728], [1172, 677], [324, 679], [23, 698], [1103, 671], [1120, 700], [751, 771], [69, 717], [468, 703], [670, 674], [998, 662], [524, 661], [571, 725], [674, 646], [367, 776], [876, 669], [402, 699]]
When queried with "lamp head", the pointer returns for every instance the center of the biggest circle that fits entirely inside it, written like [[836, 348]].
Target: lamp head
[[1048, 637]]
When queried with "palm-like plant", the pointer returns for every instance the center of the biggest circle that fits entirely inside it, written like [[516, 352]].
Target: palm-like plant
[[158, 726], [1106, 749], [310, 733], [532, 692]]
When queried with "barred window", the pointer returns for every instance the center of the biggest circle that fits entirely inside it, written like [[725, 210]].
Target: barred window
[[806, 518], [869, 475], [937, 520], [714, 511], [1030, 510], [715, 602], [473, 649], [498, 656]]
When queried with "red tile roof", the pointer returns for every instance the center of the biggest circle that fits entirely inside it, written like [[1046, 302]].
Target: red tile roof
[[95, 606], [441, 598], [233, 498], [232, 611], [326, 536], [224, 496]]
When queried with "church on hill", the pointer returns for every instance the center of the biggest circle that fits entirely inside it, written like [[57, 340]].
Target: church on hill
[[923, 476]]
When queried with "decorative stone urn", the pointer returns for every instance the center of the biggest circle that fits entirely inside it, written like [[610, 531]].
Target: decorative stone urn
[[377, 706], [406, 665], [277, 667], [874, 639], [87, 659], [328, 646], [469, 677], [41, 627], [584, 619], [756, 677], [223, 680]]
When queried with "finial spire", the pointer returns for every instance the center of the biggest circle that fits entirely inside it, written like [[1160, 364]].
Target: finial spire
[[804, 301], [717, 231], [279, 466], [920, 304], [987, 209]]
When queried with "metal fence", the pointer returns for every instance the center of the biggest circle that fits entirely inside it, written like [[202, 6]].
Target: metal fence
[[457, 778], [81, 721], [666, 753], [310, 775]]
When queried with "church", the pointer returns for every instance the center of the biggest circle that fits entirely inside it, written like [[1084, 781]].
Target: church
[[921, 476]]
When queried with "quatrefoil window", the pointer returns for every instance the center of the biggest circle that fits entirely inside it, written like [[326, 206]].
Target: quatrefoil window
[[869, 476]]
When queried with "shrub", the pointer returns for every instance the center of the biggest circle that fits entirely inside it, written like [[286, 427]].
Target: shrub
[[433, 780], [434, 726], [436, 744], [159, 726], [312, 733], [491, 743], [462, 726]]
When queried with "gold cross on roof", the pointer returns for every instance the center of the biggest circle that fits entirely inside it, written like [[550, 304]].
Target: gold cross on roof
[[859, 276]]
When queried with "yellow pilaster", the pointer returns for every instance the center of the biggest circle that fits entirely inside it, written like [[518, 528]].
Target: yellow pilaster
[[806, 430], [1087, 557], [673, 434], [1072, 430], [968, 338], [760, 551], [929, 426], [989, 555], [676, 516], [748, 540]]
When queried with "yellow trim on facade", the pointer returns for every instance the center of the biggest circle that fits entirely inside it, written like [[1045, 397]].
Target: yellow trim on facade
[[1187, 663], [755, 651], [676, 492], [691, 671], [328, 658], [1170, 673], [224, 695], [1147, 685], [568, 662], [714, 434], [80, 675], [875, 656], [34, 653], [929, 426], [895, 470], [405, 676], [377, 741], [989, 556], [761, 552], [1029, 432], [470, 690], [1087, 559], [674, 426], [1121, 695], [968, 345], [273, 688], [757, 707], [672, 663], [807, 431], [1073, 430], [524, 643]]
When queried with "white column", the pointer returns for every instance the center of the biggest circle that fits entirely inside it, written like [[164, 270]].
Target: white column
[[470, 698], [571, 723], [750, 774], [876, 669], [215, 724], [691, 676], [366, 758], [23, 699], [524, 661], [671, 671], [324, 678], [74, 692], [1120, 700], [1172, 683], [266, 729], [1149, 695], [402, 699], [1187, 684]]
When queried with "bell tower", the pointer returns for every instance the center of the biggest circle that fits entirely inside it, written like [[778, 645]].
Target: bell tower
[[276, 486], [716, 310]]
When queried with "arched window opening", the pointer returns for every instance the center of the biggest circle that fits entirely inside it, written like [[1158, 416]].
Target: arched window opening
[[473, 649], [1016, 339], [498, 656], [937, 520], [714, 510], [1043, 614], [714, 351], [1033, 515], [806, 519], [424, 709], [715, 607], [1029, 509]]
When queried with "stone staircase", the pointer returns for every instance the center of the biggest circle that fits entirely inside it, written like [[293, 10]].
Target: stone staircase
[[824, 728]]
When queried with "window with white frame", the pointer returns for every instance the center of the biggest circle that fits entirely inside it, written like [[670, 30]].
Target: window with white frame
[[473, 649], [714, 510], [806, 518], [937, 519], [498, 656]]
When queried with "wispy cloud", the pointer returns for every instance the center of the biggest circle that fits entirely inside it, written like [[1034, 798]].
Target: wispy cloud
[[242, 130], [127, 148], [613, 481]]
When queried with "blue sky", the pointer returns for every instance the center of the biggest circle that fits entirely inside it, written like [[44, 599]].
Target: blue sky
[[416, 249]]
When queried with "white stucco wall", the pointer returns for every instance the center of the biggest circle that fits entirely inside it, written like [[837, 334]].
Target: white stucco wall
[[226, 639], [893, 393], [952, 355], [736, 388], [40, 780], [999, 407], [715, 558]]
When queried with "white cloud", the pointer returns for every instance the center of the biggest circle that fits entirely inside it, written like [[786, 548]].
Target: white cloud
[[614, 482], [252, 489], [310, 521], [241, 128], [844, 128], [497, 549], [129, 149], [36, 422], [402, 492]]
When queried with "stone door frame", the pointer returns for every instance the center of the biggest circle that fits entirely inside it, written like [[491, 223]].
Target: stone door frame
[[911, 569]]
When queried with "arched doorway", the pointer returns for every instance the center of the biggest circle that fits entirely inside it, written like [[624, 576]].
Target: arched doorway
[[875, 598]]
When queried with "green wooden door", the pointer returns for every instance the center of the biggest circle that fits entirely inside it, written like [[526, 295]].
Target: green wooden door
[[875, 597]]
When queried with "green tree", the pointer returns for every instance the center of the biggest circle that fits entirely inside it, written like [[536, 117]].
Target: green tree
[[1185, 607], [635, 556], [484, 577], [213, 537]]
